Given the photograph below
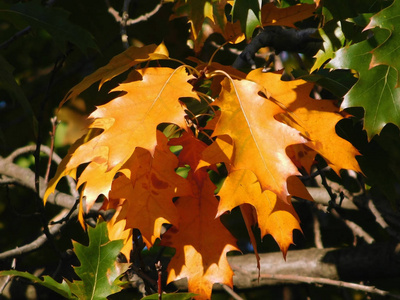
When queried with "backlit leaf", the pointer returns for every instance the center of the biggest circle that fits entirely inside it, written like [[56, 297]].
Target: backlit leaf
[[274, 216], [148, 187], [259, 140], [201, 242], [316, 118], [117, 65]]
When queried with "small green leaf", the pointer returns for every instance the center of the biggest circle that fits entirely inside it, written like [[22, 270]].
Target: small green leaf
[[171, 296], [53, 20], [48, 282], [97, 270], [333, 39], [248, 12], [375, 90]]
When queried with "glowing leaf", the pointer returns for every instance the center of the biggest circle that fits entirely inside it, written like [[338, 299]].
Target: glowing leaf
[[149, 191], [259, 140], [201, 242], [117, 65], [315, 118], [274, 216]]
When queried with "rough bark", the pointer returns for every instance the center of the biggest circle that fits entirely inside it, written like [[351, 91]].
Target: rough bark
[[361, 263]]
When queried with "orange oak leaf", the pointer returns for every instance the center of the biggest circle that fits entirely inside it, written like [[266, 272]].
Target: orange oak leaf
[[63, 168], [259, 139], [117, 230], [272, 15], [128, 121], [201, 242], [316, 118], [220, 150], [117, 65], [274, 216], [302, 156], [192, 149], [149, 191]]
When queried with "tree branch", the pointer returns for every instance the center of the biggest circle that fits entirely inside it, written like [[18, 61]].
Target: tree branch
[[281, 39], [318, 266], [25, 177]]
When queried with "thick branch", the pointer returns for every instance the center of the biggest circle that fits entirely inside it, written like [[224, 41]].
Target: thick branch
[[352, 264], [25, 177], [281, 39]]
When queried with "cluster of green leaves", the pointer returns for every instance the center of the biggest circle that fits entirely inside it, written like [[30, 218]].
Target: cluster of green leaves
[[99, 271]]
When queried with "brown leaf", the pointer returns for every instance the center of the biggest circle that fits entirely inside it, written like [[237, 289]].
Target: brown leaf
[[272, 15]]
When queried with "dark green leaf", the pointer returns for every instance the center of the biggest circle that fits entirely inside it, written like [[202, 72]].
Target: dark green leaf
[[375, 91], [53, 20], [48, 282], [248, 12], [388, 53], [344, 9]]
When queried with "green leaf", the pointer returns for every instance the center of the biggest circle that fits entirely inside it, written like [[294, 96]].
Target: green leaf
[[7, 83], [98, 271], [248, 12], [344, 9], [375, 91], [338, 82], [388, 53], [53, 20], [48, 282], [333, 39], [171, 296]]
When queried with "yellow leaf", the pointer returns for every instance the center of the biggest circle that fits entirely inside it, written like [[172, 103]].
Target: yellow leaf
[[117, 65]]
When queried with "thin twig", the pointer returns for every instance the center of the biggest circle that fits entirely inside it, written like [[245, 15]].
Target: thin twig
[[24, 31], [36, 244], [381, 221], [231, 292], [317, 230], [159, 279], [327, 281], [9, 277], [40, 207], [356, 229], [52, 135], [125, 17], [139, 19]]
